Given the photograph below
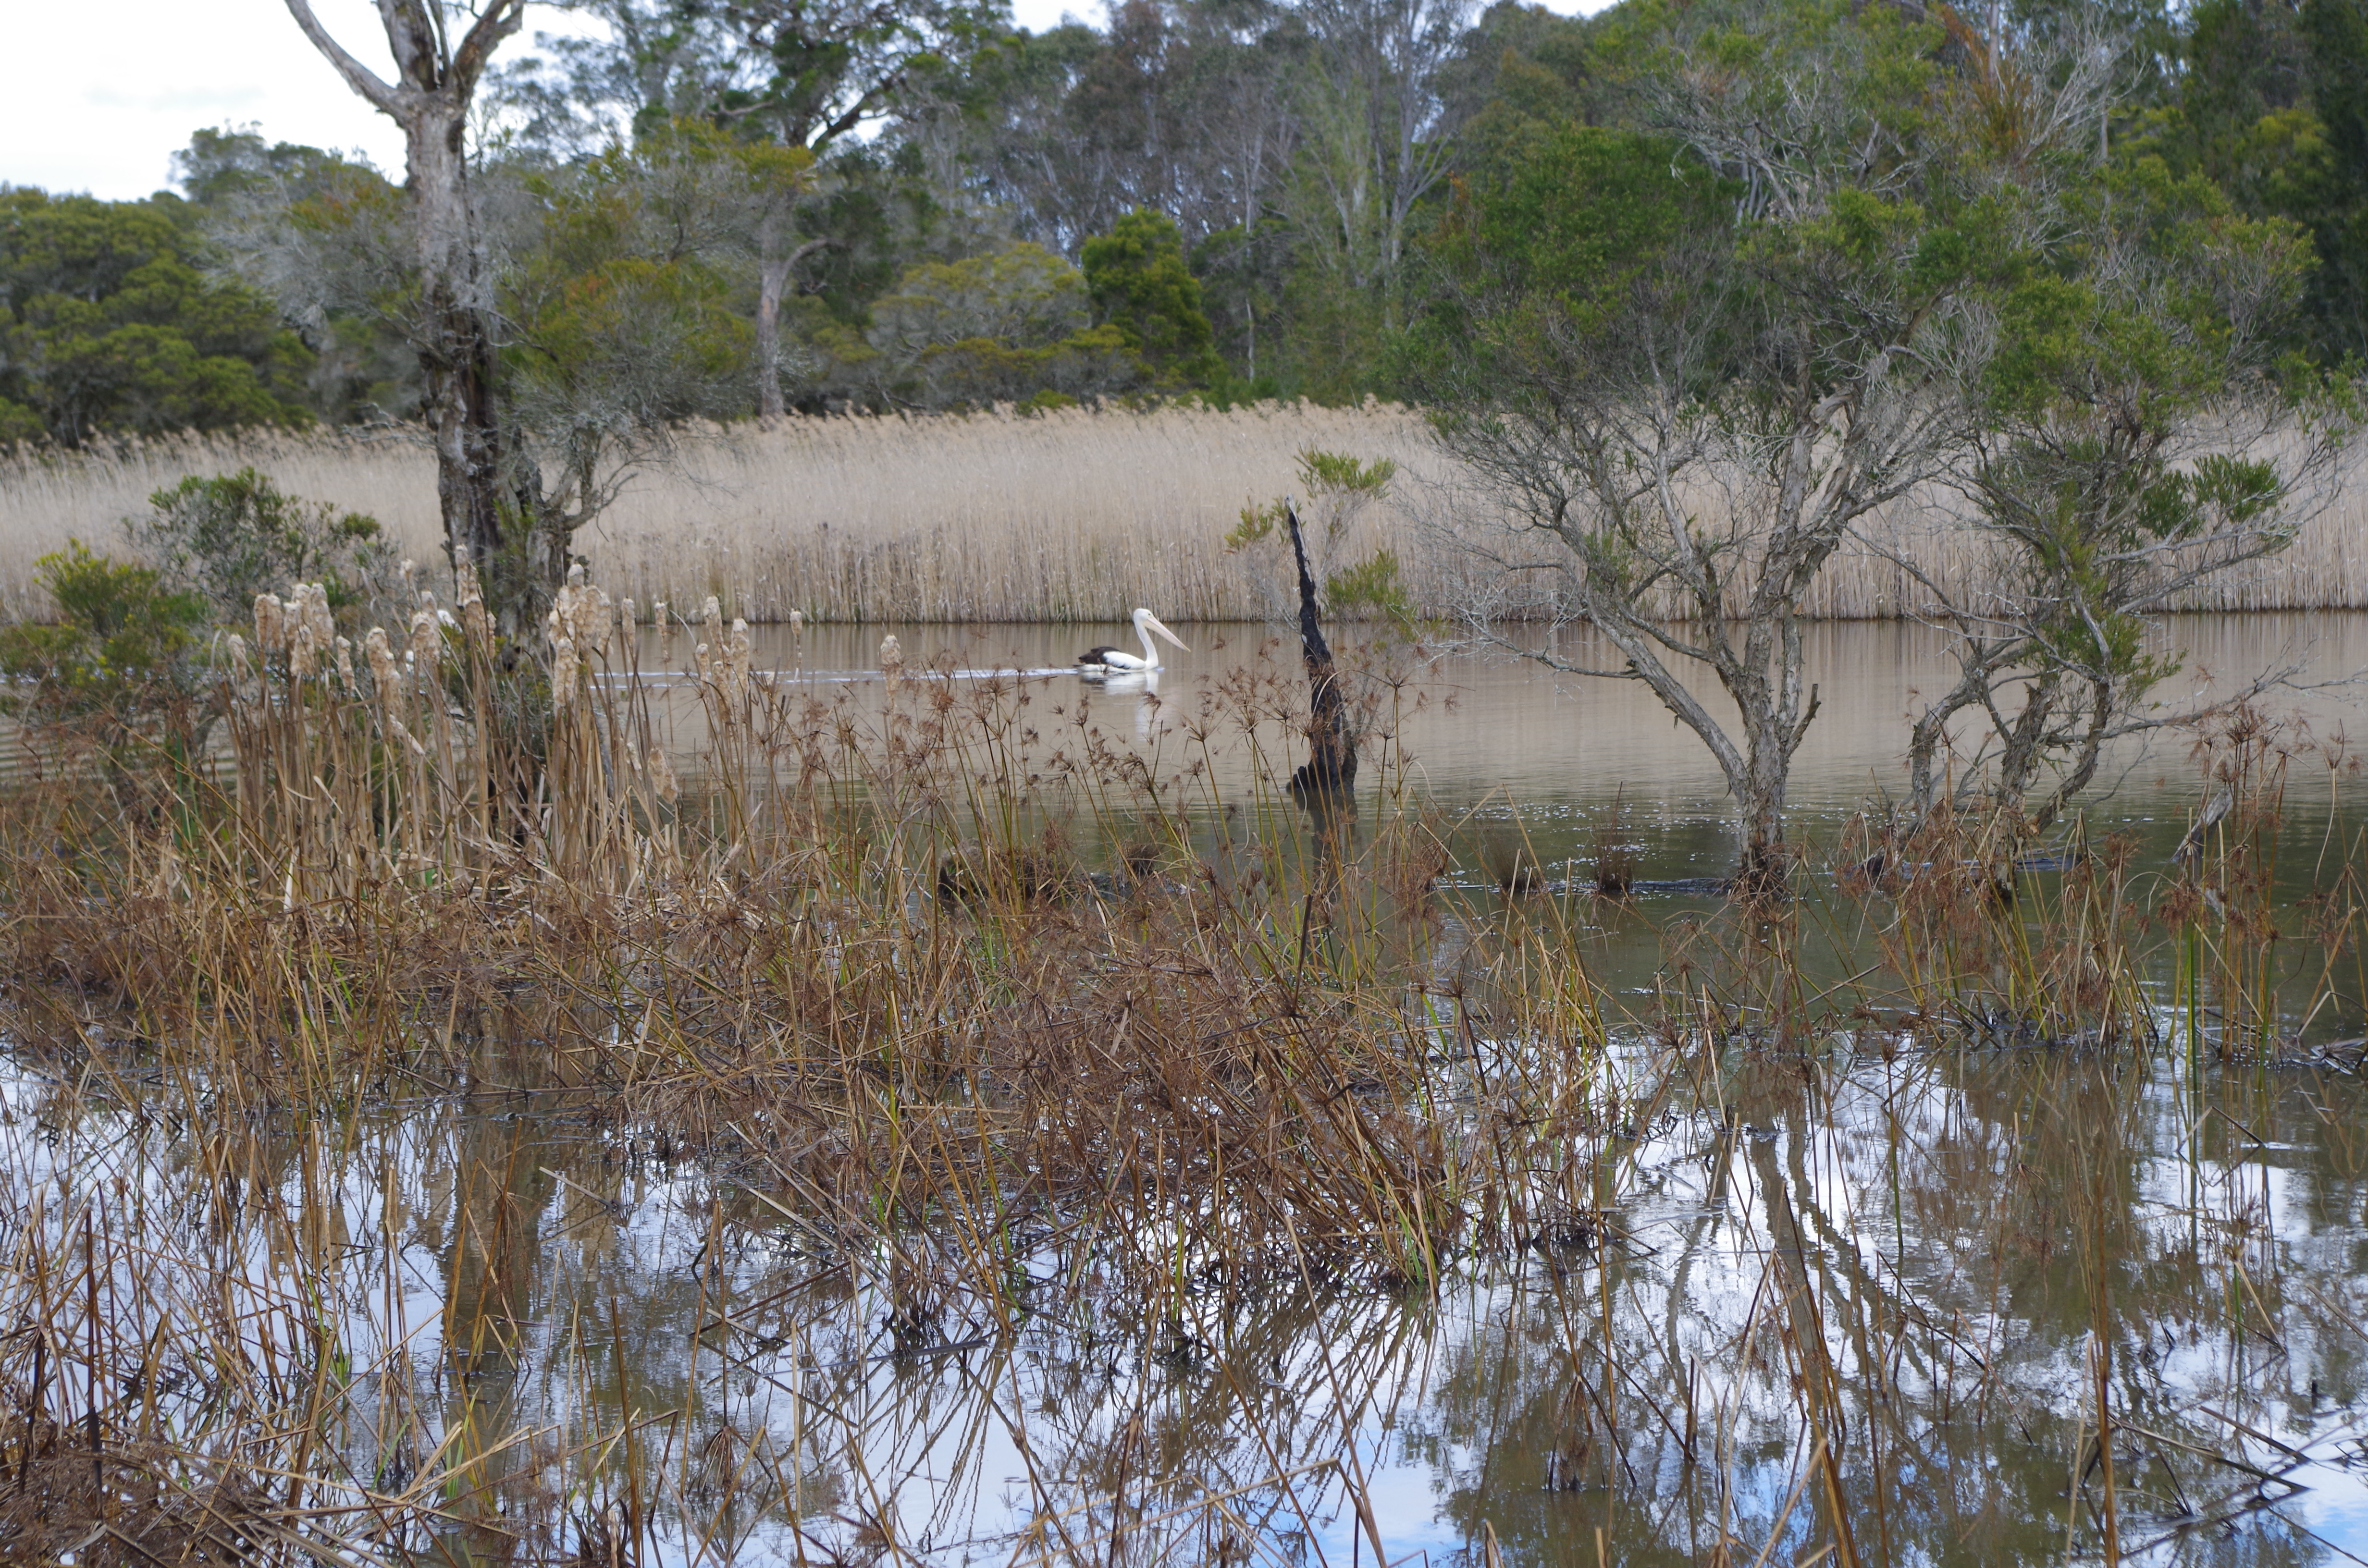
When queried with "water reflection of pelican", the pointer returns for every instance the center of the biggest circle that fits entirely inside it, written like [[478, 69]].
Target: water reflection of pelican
[[1101, 663], [1143, 684]]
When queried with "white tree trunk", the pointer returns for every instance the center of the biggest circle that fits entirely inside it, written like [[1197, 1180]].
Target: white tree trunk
[[453, 334]]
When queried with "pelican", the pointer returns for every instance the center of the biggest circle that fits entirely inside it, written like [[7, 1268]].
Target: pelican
[[1109, 661]]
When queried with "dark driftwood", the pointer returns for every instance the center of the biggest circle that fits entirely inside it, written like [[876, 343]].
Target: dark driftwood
[[1331, 769]]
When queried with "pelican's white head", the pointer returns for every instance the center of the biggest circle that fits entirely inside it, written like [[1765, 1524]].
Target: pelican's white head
[[1145, 623]]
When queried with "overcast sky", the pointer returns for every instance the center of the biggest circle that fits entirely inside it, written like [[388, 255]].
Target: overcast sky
[[98, 97]]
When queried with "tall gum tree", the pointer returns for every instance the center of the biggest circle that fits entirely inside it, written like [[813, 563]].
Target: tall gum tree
[[817, 72], [435, 82]]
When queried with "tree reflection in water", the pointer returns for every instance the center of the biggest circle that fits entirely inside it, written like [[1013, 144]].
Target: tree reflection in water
[[1850, 1304]]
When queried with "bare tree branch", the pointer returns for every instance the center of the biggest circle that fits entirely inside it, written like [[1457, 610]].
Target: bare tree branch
[[381, 94]]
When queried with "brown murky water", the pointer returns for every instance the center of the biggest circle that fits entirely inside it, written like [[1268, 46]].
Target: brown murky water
[[1873, 1295]]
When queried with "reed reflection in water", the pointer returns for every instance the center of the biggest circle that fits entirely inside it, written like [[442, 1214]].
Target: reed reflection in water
[[1880, 1296]]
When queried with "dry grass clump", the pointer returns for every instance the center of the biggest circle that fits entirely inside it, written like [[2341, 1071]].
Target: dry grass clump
[[1073, 514], [2095, 941]]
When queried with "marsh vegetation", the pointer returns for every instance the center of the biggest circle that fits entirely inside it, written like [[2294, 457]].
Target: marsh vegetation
[[1003, 519], [1839, 1044], [748, 1108]]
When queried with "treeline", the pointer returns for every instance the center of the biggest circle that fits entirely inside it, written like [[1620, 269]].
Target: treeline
[[714, 210]]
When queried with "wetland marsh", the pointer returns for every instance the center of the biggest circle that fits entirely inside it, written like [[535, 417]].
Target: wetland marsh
[[983, 1119]]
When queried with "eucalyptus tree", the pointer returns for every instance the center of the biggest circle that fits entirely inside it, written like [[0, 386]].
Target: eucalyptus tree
[[810, 75], [1379, 121], [653, 63], [441, 53], [810, 78], [1187, 107]]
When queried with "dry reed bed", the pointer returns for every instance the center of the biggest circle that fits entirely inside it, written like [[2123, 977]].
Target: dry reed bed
[[863, 903], [1070, 515]]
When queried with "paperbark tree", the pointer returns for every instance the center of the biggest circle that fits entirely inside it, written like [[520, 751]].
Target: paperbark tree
[[622, 314], [2137, 435], [1699, 436], [1695, 361], [435, 82]]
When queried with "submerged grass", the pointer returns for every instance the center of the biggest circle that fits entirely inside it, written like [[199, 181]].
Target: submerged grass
[[924, 1032]]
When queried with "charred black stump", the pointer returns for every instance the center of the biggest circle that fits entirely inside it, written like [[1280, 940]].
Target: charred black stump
[[1329, 776]]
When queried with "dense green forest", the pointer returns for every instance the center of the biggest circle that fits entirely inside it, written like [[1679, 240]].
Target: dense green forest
[[927, 209]]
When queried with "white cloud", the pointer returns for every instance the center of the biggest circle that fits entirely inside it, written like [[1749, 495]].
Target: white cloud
[[98, 96]]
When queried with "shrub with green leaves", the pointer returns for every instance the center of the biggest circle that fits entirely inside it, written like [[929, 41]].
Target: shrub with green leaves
[[118, 666], [233, 537], [1334, 491], [1142, 285]]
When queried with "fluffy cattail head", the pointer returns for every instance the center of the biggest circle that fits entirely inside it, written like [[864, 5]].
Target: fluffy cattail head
[[563, 670], [472, 603], [309, 604], [427, 642], [380, 656], [584, 616], [270, 624]]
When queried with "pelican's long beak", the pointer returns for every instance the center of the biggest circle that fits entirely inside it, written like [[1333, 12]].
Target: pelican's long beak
[[1152, 621]]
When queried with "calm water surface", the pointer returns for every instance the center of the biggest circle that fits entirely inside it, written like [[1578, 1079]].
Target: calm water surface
[[1961, 1246], [1485, 733]]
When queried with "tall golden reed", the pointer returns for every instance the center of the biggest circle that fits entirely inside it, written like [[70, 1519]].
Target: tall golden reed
[[1069, 516]]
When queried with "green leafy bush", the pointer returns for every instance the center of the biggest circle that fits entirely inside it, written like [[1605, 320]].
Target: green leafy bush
[[1140, 285], [1373, 587], [108, 325], [119, 666], [239, 535], [1336, 489]]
